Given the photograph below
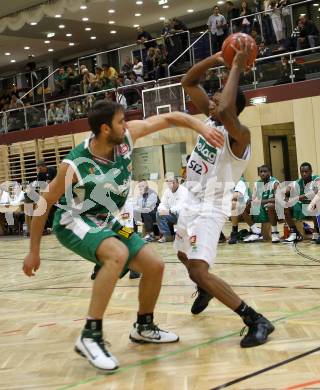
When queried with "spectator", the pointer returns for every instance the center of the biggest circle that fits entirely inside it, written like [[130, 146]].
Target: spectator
[[150, 62], [110, 75], [52, 114], [216, 24], [132, 79], [73, 81], [286, 17], [145, 209], [262, 206], [78, 110], [304, 190], [309, 33], [145, 38], [263, 50], [177, 25], [127, 66], [285, 72], [240, 198], [168, 211], [276, 20], [87, 80], [232, 13], [137, 66], [245, 22], [45, 173], [60, 80]]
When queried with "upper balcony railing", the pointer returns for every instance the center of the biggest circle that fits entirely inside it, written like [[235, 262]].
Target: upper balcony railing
[[165, 94]]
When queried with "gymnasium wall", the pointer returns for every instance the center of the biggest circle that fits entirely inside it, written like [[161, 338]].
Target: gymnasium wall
[[17, 161]]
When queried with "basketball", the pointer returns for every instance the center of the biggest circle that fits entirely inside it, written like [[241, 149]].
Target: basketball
[[228, 51]]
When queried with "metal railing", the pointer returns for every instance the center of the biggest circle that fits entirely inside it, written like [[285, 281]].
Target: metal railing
[[37, 115], [257, 16]]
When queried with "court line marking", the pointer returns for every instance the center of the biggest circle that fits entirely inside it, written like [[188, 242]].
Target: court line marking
[[306, 384], [177, 352], [266, 369]]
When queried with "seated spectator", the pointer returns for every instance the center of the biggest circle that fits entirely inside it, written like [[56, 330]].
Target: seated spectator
[[88, 80], [137, 66], [216, 24], [168, 211], [127, 66], [285, 72], [132, 78], [145, 209], [35, 117], [240, 198], [99, 81], [261, 208], [78, 110], [304, 190], [109, 76], [52, 114], [309, 33], [263, 50], [60, 80], [145, 38]]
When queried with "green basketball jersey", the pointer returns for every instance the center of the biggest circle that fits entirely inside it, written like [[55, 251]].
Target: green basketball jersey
[[266, 190], [305, 189], [103, 185]]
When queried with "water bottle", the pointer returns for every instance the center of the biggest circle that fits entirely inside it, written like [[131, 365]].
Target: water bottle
[[25, 230]]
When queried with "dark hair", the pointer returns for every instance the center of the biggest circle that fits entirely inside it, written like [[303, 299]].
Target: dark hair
[[229, 3], [306, 164], [102, 112], [264, 166]]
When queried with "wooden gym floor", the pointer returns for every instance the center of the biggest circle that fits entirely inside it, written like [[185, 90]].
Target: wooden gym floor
[[41, 319]]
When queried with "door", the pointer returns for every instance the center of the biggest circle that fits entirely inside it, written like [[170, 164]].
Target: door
[[277, 158]]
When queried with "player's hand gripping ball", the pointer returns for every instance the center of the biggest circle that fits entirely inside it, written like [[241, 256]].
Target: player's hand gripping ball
[[235, 41]]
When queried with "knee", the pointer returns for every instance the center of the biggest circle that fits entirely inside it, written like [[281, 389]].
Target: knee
[[197, 275], [114, 253]]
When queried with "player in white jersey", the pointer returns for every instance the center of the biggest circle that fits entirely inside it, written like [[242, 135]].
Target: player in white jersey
[[211, 176]]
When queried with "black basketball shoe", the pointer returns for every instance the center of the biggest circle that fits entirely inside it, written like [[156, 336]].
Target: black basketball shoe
[[201, 302], [258, 332], [233, 238], [95, 271]]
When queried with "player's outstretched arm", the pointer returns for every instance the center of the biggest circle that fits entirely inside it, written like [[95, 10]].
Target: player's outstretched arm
[[141, 128], [191, 82], [227, 107], [54, 191]]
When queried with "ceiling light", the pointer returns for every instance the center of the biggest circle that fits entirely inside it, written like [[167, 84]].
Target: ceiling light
[[27, 48], [57, 16], [139, 2], [83, 7], [111, 22], [136, 25], [50, 35], [69, 35], [162, 18], [165, 6], [191, 10], [111, 11], [137, 14], [50, 49], [62, 26], [85, 19], [113, 32], [71, 44], [33, 23], [93, 37], [88, 28], [46, 42], [220, 2], [7, 54], [315, 4], [12, 60]]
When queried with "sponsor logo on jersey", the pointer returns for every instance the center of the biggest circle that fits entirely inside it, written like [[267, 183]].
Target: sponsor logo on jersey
[[206, 151], [123, 149], [193, 240]]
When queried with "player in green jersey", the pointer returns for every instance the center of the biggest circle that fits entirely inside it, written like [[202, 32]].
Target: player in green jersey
[[92, 184]]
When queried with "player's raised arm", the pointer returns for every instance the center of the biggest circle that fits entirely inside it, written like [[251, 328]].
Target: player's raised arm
[[141, 128], [228, 110], [191, 82], [54, 191]]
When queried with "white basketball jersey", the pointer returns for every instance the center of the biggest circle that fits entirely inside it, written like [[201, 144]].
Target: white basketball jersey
[[213, 173]]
